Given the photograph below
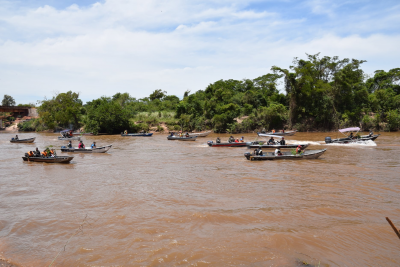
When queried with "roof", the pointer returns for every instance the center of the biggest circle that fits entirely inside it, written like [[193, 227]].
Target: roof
[[352, 129]]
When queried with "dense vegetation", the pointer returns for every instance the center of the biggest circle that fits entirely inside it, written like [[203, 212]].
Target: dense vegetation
[[320, 94]]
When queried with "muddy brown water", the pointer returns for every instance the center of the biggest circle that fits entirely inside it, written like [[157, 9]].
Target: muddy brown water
[[153, 202]]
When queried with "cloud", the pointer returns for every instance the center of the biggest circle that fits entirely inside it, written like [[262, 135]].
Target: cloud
[[139, 46]]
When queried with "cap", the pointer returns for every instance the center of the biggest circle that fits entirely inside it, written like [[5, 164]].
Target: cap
[[299, 146], [283, 137]]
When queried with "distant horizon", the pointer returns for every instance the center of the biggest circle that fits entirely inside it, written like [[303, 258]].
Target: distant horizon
[[99, 48]]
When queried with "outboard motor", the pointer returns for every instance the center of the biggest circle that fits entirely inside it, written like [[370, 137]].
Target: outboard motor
[[247, 155], [328, 140], [210, 143]]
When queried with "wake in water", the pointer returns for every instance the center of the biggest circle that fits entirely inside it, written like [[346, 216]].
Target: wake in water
[[356, 143], [303, 142]]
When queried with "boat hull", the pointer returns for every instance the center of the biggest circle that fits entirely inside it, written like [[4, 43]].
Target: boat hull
[[57, 159], [303, 146], [309, 154], [200, 134], [289, 133], [77, 138], [138, 134], [227, 144], [80, 134], [190, 138], [28, 140], [102, 149]]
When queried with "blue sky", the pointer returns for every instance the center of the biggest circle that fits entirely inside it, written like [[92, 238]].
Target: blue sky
[[104, 47]]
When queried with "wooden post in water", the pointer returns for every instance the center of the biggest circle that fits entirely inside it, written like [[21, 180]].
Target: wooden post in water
[[394, 228]]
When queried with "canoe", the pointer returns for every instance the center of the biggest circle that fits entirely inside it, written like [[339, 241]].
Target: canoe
[[102, 149], [227, 144], [190, 138], [57, 159], [288, 133], [137, 134], [200, 134], [78, 138], [28, 140], [303, 146], [308, 154]]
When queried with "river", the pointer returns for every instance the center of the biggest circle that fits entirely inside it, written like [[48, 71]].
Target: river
[[153, 202]]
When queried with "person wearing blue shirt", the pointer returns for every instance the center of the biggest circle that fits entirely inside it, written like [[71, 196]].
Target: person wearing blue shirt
[[93, 145]]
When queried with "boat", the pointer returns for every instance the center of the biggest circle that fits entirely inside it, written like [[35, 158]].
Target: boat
[[183, 138], [288, 133], [28, 140], [102, 149], [351, 139], [137, 134], [228, 144], [277, 144], [81, 133], [56, 159], [303, 146], [308, 154], [200, 134]]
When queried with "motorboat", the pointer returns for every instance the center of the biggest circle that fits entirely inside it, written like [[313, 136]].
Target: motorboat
[[56, 159], [183, 138], [200, 134], [350, 139], [137, 134], [288, 133], [28, 140], [102, 149], [308, 154]]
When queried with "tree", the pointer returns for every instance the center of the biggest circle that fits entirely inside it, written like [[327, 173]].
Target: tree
[[8, 101], [158, 94], [62, 110]]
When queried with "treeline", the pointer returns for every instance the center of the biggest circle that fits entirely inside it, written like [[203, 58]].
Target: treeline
[[320, 94]]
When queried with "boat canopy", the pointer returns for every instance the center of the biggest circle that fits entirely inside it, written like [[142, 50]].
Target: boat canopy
[[352, 129], [65, 131]]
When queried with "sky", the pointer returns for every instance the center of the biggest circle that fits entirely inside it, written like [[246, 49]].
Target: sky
[[99, 48]]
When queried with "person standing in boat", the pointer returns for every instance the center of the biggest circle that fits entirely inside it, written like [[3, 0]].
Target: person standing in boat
[[218, 140], [81, 145], [37, 153], [187, 134], [282, 142], [93, 145]]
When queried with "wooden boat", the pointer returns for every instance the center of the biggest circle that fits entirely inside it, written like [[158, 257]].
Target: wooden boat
[[351, 139], [67, 138], [102, 149], [28, 140], [137, 134], [288, 133], [184, 138], [200, 134], [308, 154], [303, 146], [56, 159]]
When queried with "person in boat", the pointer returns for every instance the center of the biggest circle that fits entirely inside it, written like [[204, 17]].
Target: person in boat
[[298, 149], [16, 137], [271, 141], [81, 145], [93, 145], [263, 131], [351, 135], [172, 134], [242, 139], [255, 152], [283, 142], [231, 139], [218, 140], [278, 152], [37, 153], [236, 140], [52, 153], [283, 130], [273, 131], [69, 144], [30, 154], [371, 134], [126, 132], [187, 134], [259, 151]]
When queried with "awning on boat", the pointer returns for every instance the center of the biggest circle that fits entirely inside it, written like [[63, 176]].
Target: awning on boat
[[352, 129]]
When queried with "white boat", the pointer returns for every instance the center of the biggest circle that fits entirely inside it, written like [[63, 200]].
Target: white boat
[[102, 149], [63, 138], [200, 134]]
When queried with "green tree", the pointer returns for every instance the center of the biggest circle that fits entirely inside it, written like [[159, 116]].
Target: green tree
[[8, 101]]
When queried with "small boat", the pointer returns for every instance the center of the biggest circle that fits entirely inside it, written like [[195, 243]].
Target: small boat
[[67, 138], [227, 144], [28, 140], [308, 154], [81, 133], [200, 134], [137, 134], [183, 138], [56, 159], [288, 133], [102, 149], [303, 146], [351, 139]]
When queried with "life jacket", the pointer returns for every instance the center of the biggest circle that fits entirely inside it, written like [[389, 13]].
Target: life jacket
[[44, 153], [236, 141]]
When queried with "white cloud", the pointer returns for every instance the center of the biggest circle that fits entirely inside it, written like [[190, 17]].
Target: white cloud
[[140, 46]]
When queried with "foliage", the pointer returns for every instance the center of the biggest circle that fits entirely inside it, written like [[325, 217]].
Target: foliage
[[8, 101], [62, 110]]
